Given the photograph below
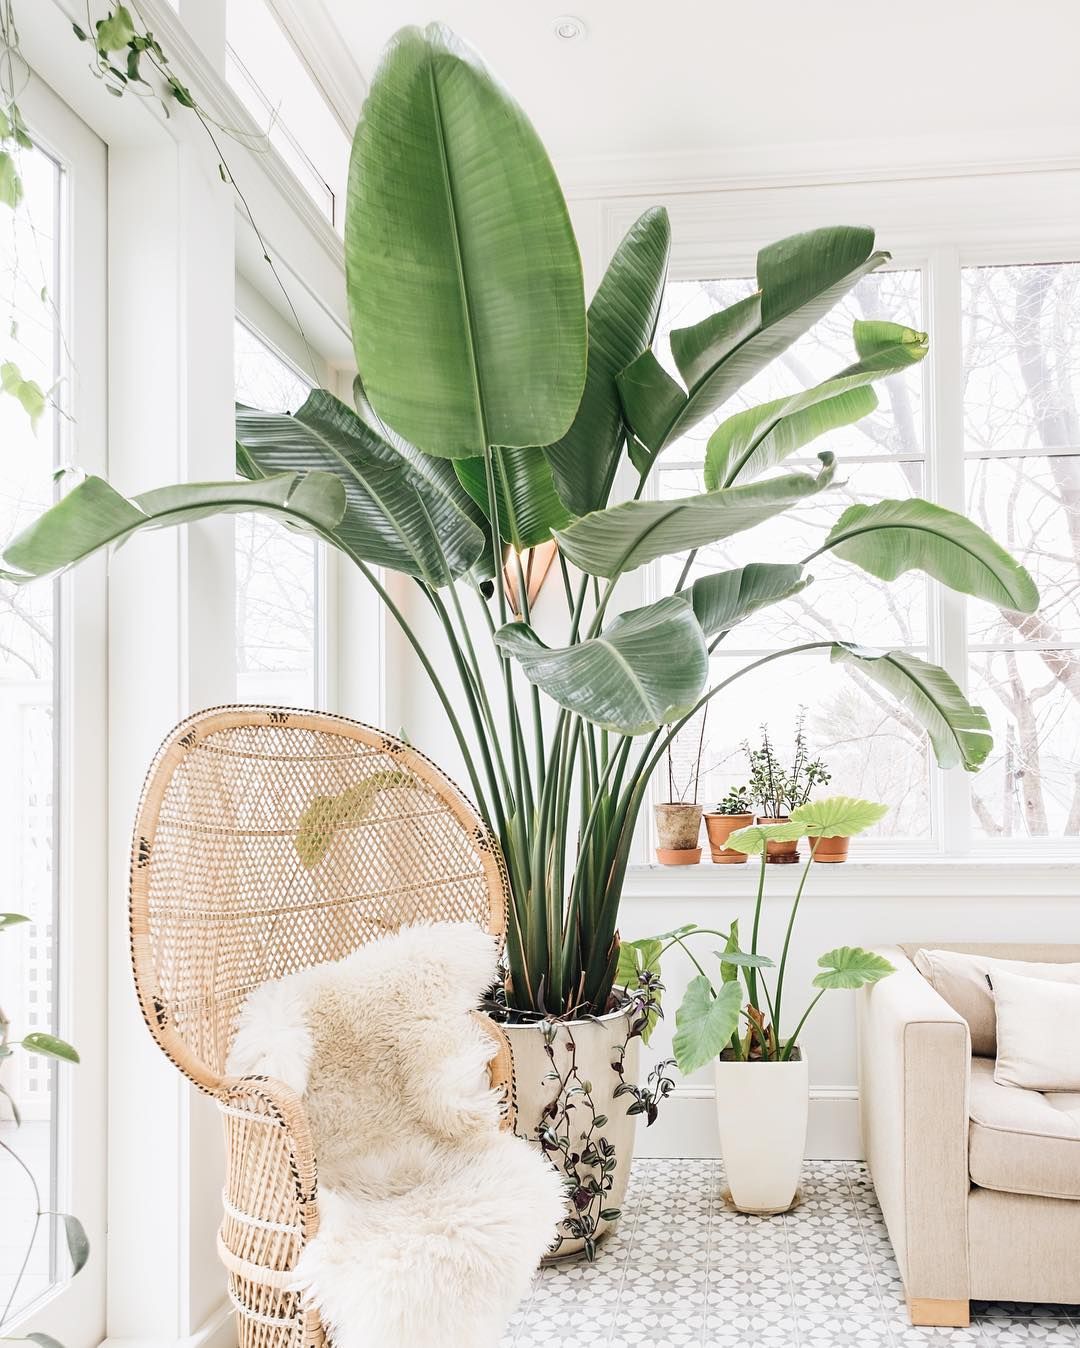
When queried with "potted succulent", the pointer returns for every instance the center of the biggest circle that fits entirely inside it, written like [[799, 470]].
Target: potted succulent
[[678, 820], [734, 1018], [493, 414], [732, 813], [778, 790]]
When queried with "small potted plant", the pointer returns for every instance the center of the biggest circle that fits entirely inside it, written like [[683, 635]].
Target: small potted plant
[[735, 1019], [777, 791], [732, 813], [678, 819]]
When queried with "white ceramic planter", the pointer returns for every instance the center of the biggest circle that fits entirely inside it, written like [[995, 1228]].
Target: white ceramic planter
[[590, 1046], [762, 1108]]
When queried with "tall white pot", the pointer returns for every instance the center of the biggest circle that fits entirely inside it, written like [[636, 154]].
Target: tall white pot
[[582, 1053], [762, 1110]]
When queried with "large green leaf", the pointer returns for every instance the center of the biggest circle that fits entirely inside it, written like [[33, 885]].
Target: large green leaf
[[636, 958], [799, 280], [622, 320], [752, 839], [646, 669], [891, 537], [851, 967], [93, 515], [958, 731], [837, 816], [623, 537], [529, 507], [750, 442], [706, 1021], [464, 280], [399, 513], [725, 598]]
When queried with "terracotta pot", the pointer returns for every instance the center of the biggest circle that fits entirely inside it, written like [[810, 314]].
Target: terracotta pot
[[829, 849], [762, 1110], [780, 853], [592, 1046], [678, 830], [720, 827]]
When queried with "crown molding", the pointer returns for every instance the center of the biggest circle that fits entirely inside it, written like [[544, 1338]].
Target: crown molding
[[731, 169]]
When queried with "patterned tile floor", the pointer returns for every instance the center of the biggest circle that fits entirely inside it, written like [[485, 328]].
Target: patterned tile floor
[[684, 1269]]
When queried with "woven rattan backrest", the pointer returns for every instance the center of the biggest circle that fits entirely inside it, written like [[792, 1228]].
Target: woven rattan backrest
[[270, 840]]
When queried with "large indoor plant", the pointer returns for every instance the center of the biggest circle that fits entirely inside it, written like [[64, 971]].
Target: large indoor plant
[[493, 413], [734, 1019]]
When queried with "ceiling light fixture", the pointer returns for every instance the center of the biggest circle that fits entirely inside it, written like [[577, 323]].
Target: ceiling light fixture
[[568, 27]]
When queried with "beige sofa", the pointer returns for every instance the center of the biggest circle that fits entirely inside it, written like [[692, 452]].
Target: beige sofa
[[979, 1183]]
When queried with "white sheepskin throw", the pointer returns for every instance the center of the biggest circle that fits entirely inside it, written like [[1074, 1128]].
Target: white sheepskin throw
[[433, 1221]]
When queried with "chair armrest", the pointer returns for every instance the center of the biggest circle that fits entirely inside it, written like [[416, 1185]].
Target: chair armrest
[[501, 1072], [914, 1080], [271, 1205]]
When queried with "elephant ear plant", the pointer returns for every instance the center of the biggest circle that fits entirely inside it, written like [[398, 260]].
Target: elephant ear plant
[[734, 1011], [493, 413]]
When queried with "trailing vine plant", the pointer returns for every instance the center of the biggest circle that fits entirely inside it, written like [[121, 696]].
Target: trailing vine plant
[[123, 46], [571, 1129]]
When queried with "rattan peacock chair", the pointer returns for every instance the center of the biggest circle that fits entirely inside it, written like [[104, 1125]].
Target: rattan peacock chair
[[269, 840]]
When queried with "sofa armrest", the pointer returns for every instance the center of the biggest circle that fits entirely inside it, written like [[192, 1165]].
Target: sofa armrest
[[914, 1077]]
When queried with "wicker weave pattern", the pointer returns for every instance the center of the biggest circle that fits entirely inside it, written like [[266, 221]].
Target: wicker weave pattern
[[268, 841]]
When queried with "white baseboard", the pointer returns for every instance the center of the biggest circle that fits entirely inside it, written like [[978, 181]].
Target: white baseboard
[[218, 1331], [686, 1126]]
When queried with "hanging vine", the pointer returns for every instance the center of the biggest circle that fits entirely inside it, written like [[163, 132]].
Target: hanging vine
[[124, 50]]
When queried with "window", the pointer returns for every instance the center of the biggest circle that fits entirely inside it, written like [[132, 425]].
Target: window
[[277, 572], [871, 751], [52, 265], [1022, 442], [1019, 399], [278, 90]]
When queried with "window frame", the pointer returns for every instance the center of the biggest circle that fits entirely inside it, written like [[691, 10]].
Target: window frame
[[941, 263]]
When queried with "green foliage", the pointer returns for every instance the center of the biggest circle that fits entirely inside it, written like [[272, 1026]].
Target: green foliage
[[438, 236], [706, 1020], [49, 1046], [837, 817], [851, 967], [737, 801], [11, 188], [710, 1016], [646, 669], [26, 392]]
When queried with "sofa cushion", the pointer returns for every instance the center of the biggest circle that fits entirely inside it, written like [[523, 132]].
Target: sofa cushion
[[960, 978], [1023, 1142]]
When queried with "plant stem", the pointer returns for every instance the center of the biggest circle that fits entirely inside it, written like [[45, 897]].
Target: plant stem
[[785, 1055], [538, 723], [33, 1230], [751, 973], [787, 935]]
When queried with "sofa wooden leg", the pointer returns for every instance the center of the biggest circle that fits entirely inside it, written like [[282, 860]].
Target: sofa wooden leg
[[947, 1314]]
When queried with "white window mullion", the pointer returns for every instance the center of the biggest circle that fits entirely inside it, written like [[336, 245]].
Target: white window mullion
[[945, 485]]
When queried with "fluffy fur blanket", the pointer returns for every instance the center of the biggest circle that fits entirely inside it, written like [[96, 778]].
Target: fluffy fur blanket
[[433, 1220]]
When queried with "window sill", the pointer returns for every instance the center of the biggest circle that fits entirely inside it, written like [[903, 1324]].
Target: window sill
[[886, 875]]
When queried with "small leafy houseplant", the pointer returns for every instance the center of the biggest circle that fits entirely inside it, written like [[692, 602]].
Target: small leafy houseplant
[[734, 1017], [778, 790], [731, 813], [493, 411]]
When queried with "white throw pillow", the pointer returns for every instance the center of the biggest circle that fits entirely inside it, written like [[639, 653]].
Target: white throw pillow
[[1038, 1033], [960, 978]]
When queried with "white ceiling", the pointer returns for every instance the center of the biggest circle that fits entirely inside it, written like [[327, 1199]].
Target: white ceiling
[[713, 80]]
